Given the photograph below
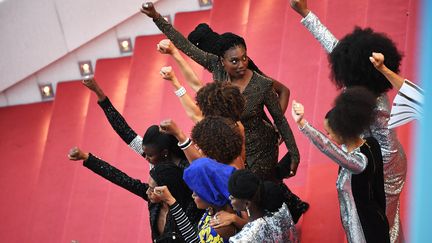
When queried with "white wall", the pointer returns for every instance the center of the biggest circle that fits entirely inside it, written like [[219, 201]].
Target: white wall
[[75, 38]]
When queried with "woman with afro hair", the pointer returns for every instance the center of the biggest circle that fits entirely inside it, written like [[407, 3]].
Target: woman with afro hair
[[350, 66], [360, 182]]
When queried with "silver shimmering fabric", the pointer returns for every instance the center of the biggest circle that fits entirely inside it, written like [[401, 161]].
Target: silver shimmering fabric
[[274, 227], [351, 163], [393, 154], [320, 32]]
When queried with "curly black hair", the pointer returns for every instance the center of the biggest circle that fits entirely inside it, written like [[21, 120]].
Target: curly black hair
[[353, 112], [221, 99], [219, 138], [350, 65], [244, 184]]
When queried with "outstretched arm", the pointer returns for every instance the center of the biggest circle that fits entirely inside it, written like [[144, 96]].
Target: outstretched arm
[[192, 110], [205, 59], [314, 25], [110, 173], [408, 103], [166, 47], [354, 161], [116, 120]]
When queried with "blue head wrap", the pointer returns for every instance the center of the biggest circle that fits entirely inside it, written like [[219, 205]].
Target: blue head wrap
[[209, 180]]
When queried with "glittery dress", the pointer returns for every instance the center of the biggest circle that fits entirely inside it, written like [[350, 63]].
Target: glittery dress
[[360, 186], [395, 163], [261, 137], [171, 232], [273, 227]]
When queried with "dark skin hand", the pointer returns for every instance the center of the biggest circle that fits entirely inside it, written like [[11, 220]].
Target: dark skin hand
[[149, 10], [300, 6]]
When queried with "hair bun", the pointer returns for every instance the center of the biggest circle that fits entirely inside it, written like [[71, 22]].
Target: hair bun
[[204, 37]]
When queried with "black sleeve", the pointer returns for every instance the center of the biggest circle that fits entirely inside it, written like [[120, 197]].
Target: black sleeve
[[120, 126], [116, 176]]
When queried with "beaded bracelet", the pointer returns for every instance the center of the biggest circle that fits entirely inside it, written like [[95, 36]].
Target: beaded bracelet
[[180, 92]]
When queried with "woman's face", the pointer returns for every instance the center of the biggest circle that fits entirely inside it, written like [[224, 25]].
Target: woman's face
[[152, 154], [238, 204], [331, 134], [150, 191], [235, 62], [201, 204]]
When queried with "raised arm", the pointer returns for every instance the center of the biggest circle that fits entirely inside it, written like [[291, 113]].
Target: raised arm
[[110, 173], [166, 47], [314, 25], [182, 221], [116, 120], [354, 161], [271, 102], [192, 110], [408, 103], [170, 127], [205, 59]]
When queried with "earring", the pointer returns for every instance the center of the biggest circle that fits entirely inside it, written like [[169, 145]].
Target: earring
[[247, 211]]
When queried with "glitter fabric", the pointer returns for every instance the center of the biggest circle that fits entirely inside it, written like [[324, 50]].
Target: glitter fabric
[[354, 162], [393, 154], [273, 227], [261, 137]]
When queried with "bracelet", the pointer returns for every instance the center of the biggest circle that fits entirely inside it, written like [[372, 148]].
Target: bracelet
[[180, 92], [185, 143]]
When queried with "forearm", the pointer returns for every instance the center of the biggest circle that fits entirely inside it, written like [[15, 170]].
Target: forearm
[[191, 108], [203, 58], [191, 152], [121, 127], [355, 161], [183, 223], [320, 31], [191, 78], [396, 80], [116, 176]]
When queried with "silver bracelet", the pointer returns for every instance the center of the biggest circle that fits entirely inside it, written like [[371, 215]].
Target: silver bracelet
[[180, 92]]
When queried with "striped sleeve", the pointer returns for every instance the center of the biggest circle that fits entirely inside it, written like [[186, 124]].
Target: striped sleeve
[[407, 105], [183, 224]]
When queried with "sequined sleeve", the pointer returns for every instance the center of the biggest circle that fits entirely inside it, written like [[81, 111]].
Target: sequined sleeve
[[120, 126], [273, 227], [320, 32], [407, 105], [354, 161], [116, 176], [205, 59], [272, 104]]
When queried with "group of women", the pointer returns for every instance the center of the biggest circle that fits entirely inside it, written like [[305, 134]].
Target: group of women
[[225, 183]]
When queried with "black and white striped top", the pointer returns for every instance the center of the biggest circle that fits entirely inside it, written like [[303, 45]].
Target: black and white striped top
[[407, 105]]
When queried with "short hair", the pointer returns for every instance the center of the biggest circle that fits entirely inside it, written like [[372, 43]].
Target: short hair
[[153, 137], [244, 184], [353, 112], [219, 138], [221, 99], [350, 65]]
